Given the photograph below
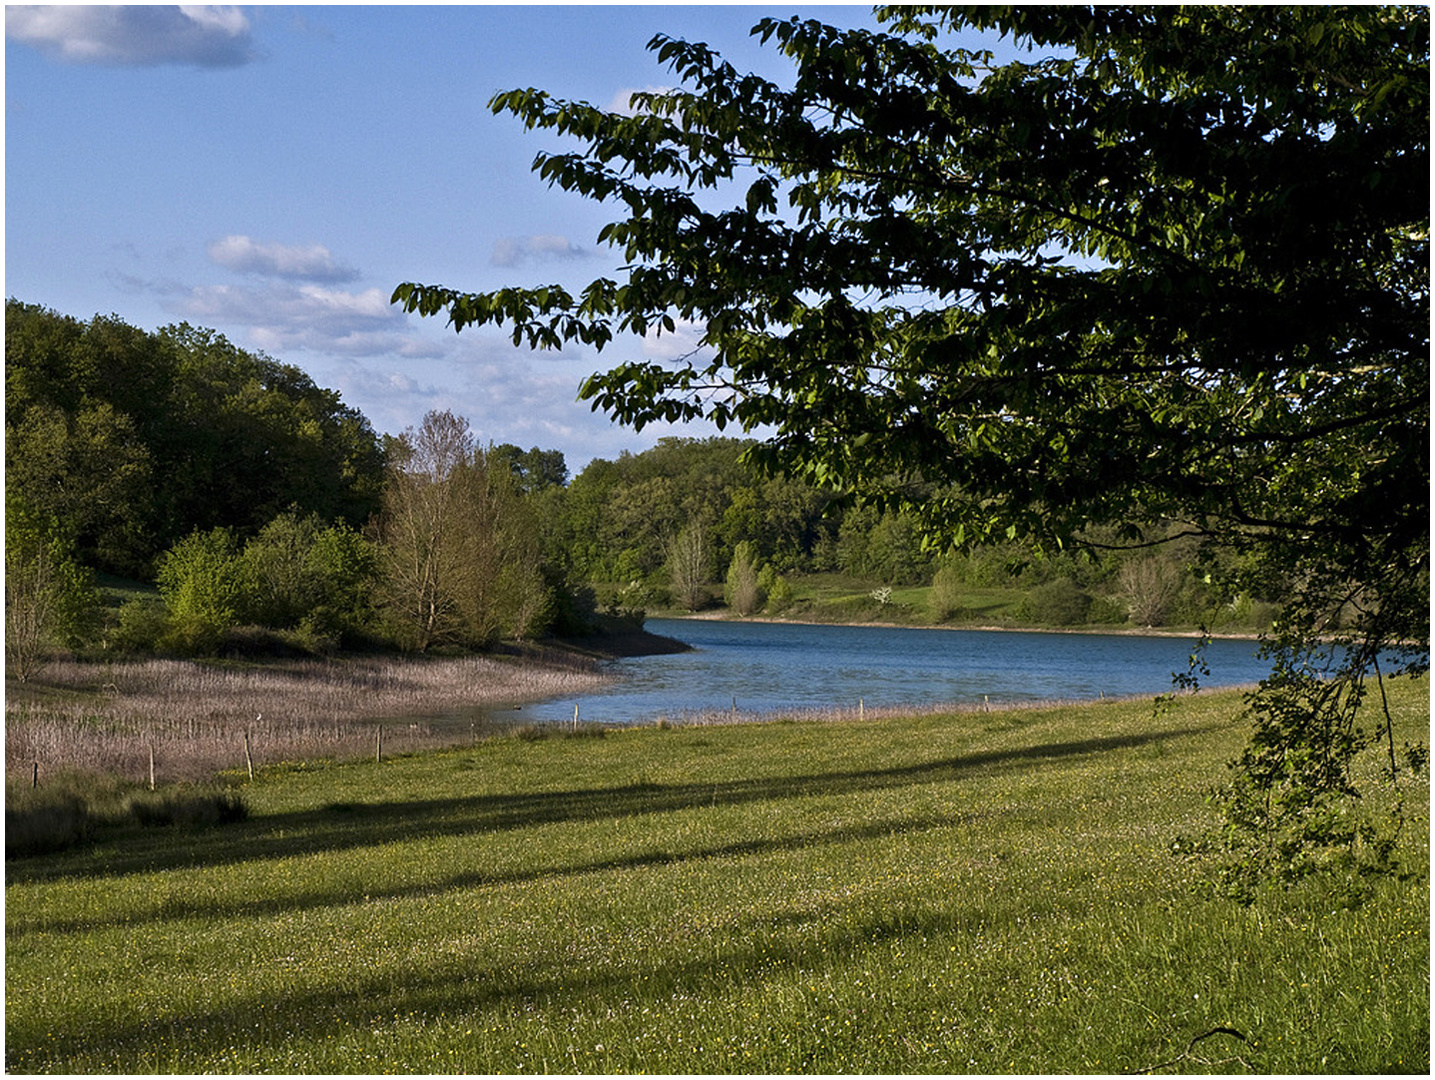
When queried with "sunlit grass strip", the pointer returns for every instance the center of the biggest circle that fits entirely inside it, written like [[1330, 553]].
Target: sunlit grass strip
[[860, 712], [934, 894], [194, 716]]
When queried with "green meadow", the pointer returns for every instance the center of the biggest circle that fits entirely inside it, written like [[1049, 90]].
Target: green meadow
[[953, 892]]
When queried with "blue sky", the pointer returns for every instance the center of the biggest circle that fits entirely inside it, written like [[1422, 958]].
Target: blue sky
[[273, 172]]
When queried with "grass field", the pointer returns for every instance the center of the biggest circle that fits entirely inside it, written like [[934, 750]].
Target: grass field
[[975, 892]]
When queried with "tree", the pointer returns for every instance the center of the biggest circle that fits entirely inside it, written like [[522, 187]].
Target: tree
[[298, 573], [534, 469], [459, 553], [501, 590], [421, 561], [1170, 265], [49, 598], [133, 440], [688, 565], [743, 593], [89, 471], [1150, 584], [945, 599], [203, 582]]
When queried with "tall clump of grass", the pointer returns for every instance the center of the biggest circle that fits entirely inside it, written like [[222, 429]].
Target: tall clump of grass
[[72, 808], [40, 824]]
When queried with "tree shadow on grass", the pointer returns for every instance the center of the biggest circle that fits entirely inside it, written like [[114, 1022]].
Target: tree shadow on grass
[[192, 1037], [266, 1023], [346, 826], [182, 907]]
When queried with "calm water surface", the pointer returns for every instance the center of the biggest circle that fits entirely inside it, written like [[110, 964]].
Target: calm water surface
[[766, 667]]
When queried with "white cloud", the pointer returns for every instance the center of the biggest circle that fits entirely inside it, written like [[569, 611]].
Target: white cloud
[[622, 101], [394, 369], [517, 250], [680, 343], [312, 263], [279, 318], [138, 35], [506, 394]]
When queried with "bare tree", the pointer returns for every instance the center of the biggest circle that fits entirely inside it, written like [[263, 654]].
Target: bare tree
[[460, 549], [1150, 585], [420, 557]]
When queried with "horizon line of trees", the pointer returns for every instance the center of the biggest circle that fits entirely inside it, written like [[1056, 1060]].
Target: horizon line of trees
[[254, 499]]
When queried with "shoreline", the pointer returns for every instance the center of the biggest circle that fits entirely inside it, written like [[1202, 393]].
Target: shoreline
[[723, 616]]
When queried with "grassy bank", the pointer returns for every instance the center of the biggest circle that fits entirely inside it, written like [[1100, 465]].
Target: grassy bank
[[841, 598], [976, 892]]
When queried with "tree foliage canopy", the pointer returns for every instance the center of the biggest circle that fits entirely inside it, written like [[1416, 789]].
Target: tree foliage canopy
[[135, 439], [1174, 260], [1171, 264]]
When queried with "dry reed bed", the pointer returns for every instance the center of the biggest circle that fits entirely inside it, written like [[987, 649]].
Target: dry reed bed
[[194, 717]]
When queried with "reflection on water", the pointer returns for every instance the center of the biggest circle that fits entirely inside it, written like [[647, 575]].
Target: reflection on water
[[766, 667]]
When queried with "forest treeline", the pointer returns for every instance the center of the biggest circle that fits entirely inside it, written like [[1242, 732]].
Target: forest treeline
[[268, 514]]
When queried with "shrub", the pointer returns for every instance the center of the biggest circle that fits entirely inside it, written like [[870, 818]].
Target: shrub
[[1107, 610], [574, 606], [779, 590], [49, 598], [585, 730], [1151, 585], [202, 579], [143, 625], [299, 573], [72, 809], [1058, 603], [744, 594], [944, 601]]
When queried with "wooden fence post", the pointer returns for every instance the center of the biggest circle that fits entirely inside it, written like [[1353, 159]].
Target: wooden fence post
[[379, 743], [248, 759]]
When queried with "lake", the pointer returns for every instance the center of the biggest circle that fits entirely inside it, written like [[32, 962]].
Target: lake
[[766, 667]]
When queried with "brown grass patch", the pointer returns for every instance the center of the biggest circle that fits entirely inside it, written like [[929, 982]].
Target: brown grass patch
[[107, 718]]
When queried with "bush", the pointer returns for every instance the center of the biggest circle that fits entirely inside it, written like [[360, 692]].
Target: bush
[[1107, 610], [1151, 584], [944, 601], [49, 598], [260, 641], [744, 594], [1058, 603], [298, 573], [202, 580], [143, 627], [574, 606], [779, 590]]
